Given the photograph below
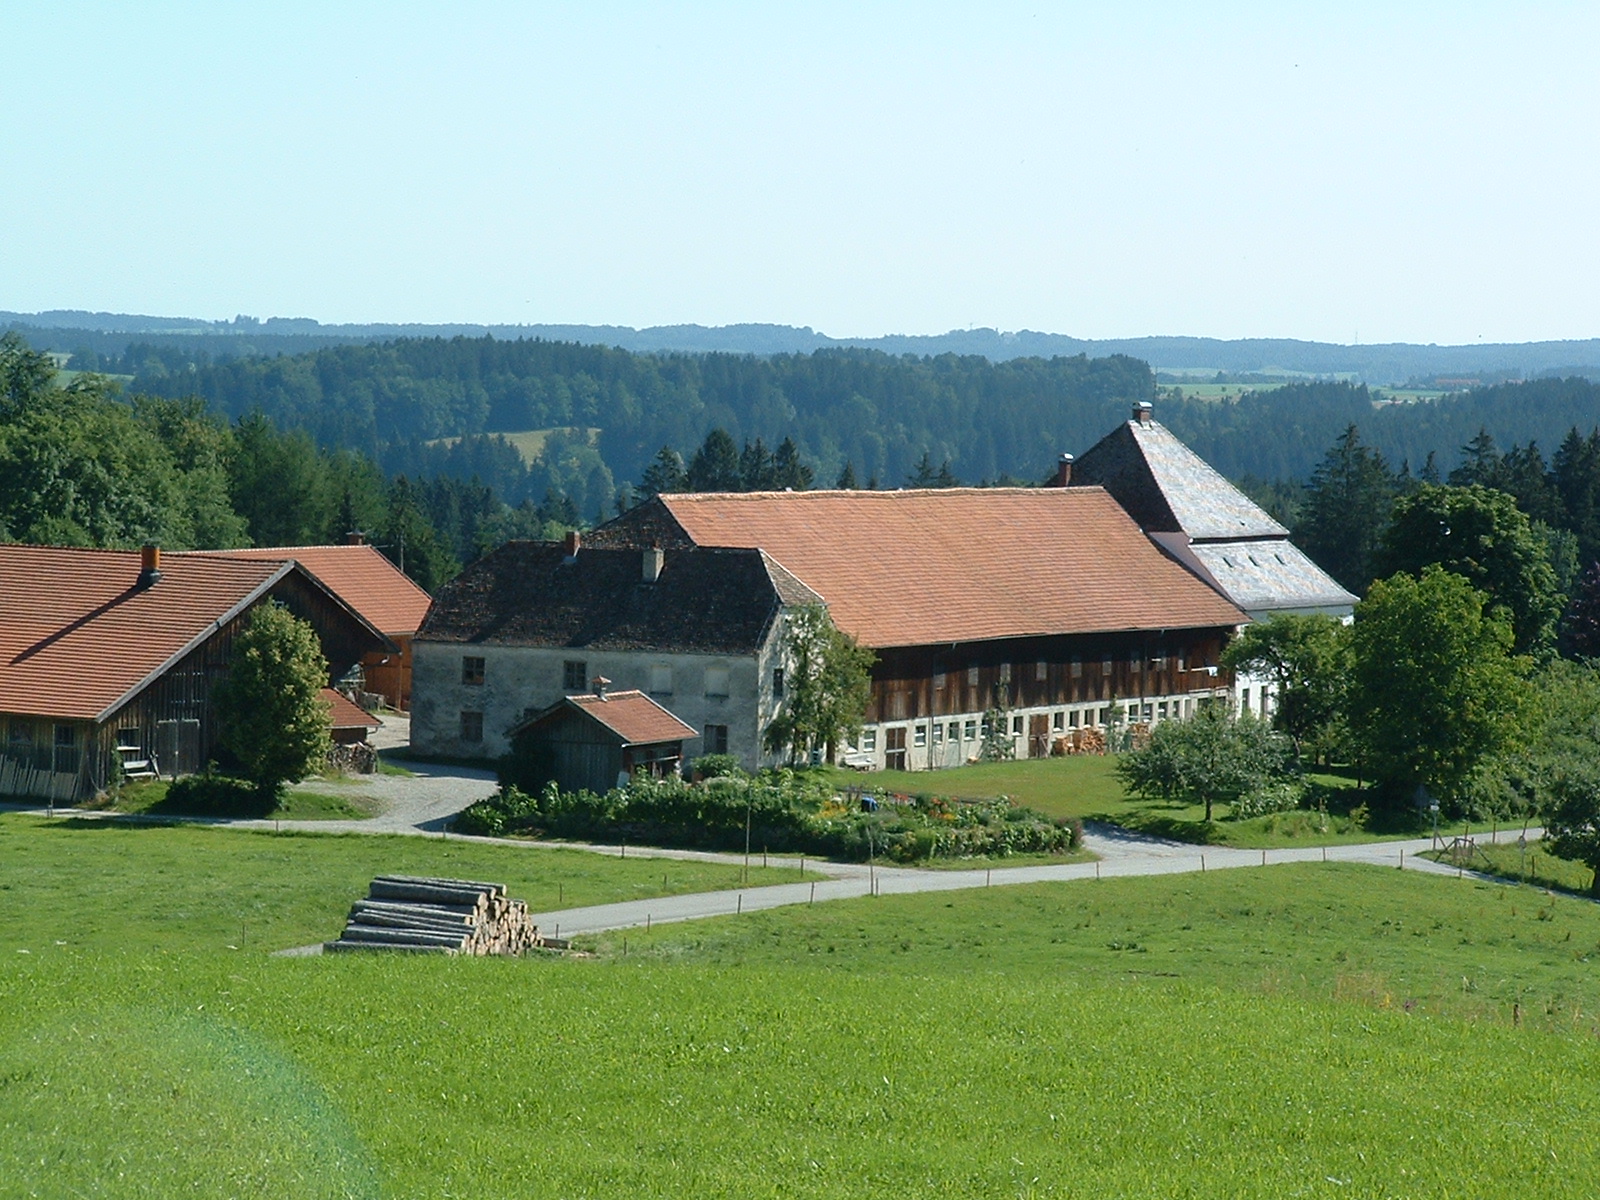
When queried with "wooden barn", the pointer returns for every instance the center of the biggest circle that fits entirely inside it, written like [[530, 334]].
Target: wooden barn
[[599, 741], [373, 586], [109, 658]]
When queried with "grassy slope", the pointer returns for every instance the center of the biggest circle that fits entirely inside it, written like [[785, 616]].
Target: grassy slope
[[1087, 787], [112, 885]]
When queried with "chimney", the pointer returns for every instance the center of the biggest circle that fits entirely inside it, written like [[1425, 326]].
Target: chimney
[[600, 683], [355, 538], [149, 565], [573, 542], [1064, 471], [1142, 412], [654, 558]]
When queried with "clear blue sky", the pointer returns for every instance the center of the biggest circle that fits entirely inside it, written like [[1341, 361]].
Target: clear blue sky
[[1330, 171]]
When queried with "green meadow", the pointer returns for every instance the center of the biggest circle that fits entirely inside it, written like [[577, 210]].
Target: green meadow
[[1308, 1030], [1086, 787]]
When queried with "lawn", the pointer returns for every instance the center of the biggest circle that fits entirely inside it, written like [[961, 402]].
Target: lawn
[[296, 804], [1086, 787], [1241, 1034], [1536, 866], [98, 884]]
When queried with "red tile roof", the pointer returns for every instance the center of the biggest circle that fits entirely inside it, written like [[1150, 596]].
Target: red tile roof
[[634, 717], [78, 636], [346, 714], [360, 576], [923, 567]]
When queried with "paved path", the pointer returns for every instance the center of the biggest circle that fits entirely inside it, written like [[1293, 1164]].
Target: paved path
[[1121, 853]]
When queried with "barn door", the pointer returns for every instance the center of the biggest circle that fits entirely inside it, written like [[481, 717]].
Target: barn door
[[1039, 736], [894, 746]]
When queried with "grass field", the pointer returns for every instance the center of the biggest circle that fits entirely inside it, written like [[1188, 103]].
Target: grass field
[[110, 885], [1537, 866], [1086, 787], [529, 442], [1241, 1034], [297, 804]]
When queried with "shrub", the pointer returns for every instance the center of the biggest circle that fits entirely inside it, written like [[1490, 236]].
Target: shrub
[[1280, 796], [715, 766], [783, 810], [212, 794]]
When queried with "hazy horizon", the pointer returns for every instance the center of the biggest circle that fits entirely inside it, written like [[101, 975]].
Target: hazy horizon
[[1353, 176]]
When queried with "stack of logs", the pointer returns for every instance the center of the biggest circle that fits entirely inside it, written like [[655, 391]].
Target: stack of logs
[[1087, 740], [442, 916]]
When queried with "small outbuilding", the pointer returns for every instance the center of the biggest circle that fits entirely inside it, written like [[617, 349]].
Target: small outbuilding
[[598, 741], [350, 723]]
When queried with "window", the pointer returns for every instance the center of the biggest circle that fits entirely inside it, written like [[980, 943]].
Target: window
[[717, 682], [1105, 666], [472, 670], [1077, 668], [1160, 662], [1041, 672], [471, 726], [1104, 717], [919, 736], [715, 740], [66, 750], [1183, 662], [938, 734], [1161, 709], [972, 731], [1059, 721], [1244, 700], [574, 676], [1135, 662], [1005, 672], [1073, 718], [954, 731], [869, 739], [777, 681], [1016, 725], [938, 679], [972, 676], [1133, 712], [661, 680]]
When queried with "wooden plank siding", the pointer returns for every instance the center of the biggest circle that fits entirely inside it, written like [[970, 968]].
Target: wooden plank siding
[[923, 681]]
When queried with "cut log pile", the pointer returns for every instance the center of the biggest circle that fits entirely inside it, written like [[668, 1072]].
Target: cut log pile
[[1087, 740], [440, 916]]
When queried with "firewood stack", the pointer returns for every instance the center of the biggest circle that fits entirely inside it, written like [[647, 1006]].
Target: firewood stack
[[442, 916]]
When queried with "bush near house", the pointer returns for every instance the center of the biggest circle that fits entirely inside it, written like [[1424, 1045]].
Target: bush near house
[[786, 811]]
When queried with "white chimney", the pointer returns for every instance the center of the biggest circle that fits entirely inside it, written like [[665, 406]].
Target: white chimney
[[654, 559]]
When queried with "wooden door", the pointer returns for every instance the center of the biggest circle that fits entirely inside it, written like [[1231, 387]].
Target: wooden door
[[1039, 736], [894, 748]]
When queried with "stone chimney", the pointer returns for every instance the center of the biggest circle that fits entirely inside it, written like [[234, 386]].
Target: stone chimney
[[1064, 471], [600, 683], [654, 559], [149, 565], [574, 541], [1143, 412], [355, 538]]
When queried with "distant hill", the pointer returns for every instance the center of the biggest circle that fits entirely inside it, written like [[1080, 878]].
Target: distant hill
[[108, 335]]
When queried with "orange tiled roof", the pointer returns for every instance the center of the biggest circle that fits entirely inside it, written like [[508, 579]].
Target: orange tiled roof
[[910, 568], [631, 715], [77, 636], [346, 714], [360, 576], [634, 717]]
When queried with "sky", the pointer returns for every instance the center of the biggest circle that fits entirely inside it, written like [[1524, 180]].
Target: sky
[[1338, 172]]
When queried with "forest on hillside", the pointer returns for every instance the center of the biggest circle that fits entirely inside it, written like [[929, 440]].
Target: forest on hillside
[[877, 413]]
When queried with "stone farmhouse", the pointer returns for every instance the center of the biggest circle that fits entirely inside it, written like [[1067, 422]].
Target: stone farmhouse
[[1050, 603], [109, 658], [698, 630]]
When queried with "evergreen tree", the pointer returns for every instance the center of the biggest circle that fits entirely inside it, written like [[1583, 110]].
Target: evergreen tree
[[788, 471], [847, 478], [755, 468], [715, 466], [410, 541], [1581, 632], [1346, 510]]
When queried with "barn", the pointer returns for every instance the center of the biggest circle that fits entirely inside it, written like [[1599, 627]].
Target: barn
[[109, 658], [599, 741]]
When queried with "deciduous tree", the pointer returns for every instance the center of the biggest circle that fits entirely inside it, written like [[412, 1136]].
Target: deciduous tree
[[827, 685], [273, 718]]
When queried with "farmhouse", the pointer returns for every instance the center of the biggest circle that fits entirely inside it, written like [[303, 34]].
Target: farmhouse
[[1205, 523], [1047, 605], [374, 587], [698, 630], [109, 658]]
